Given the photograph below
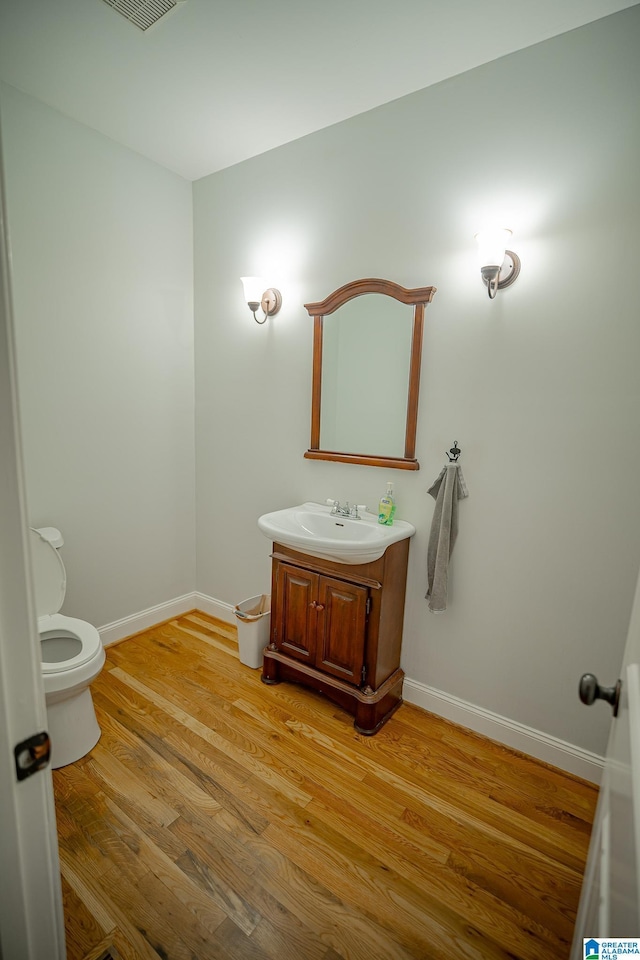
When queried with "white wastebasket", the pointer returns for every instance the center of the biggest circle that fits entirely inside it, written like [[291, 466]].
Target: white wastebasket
[[253, 617]]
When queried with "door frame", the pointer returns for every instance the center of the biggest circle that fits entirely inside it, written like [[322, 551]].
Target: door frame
[[31, 912]]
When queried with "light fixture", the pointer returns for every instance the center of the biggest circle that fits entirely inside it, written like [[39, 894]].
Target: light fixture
[[269, 299], [499, 267]]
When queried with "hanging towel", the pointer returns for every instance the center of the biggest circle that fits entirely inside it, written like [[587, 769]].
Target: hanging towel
[[446, 491]]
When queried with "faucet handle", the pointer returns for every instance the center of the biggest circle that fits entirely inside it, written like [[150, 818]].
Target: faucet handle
[[361, 506]]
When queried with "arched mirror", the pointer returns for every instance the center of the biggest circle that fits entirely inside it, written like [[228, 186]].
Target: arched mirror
[[367, 346]]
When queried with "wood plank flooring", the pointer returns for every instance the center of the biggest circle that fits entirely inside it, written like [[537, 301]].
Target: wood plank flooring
[[220, 818]]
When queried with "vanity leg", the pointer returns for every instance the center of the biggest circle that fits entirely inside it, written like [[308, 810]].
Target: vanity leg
[[270, 671], [372, 712], [368, 720]]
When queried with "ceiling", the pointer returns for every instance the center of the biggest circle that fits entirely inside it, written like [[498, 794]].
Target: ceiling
[[218, 81]]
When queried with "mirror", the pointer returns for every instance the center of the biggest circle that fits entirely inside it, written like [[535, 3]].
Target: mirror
[[366, 373]]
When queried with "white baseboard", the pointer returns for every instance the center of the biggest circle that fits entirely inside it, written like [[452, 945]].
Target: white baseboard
[[535, 743], [215, 608], [119, 629]]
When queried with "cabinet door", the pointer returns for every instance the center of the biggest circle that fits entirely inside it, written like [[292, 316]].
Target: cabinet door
[[342, 621], [295, 603]]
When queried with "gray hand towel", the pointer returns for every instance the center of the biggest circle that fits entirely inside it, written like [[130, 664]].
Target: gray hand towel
[[446, 491]]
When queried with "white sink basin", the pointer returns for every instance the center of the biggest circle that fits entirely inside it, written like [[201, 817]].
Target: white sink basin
[[311, 529]]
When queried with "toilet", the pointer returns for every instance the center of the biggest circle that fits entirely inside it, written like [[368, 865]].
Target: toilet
[[71, 652]]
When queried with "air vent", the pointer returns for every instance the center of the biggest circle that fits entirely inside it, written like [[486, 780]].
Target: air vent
[[143, 13]]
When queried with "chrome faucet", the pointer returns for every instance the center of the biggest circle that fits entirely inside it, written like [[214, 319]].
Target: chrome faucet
[[348, 510]]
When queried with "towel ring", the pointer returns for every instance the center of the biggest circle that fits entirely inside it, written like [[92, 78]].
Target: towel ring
[[454, 452]]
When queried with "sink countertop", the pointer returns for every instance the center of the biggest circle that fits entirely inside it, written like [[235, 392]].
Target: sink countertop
[[312, 529]]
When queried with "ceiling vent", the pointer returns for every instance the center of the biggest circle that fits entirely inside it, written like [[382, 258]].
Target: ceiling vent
[[144, 13]]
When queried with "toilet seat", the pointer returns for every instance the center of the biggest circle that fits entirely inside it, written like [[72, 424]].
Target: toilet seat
[[50, 582], [49, 575], [71, 658], [58, 626]]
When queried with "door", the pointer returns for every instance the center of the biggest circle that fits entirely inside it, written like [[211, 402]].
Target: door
[[31, 918], [321, 621], [609, 903], [295, 606], [342, 623]]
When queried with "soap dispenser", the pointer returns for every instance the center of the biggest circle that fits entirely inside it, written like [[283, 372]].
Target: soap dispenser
[[387, 506]]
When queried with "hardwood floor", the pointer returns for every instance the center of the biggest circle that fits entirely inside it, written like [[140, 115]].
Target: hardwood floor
[[220, 818]]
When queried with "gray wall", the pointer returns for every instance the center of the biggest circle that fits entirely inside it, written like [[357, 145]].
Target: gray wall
[[101, 242], [540, 387]]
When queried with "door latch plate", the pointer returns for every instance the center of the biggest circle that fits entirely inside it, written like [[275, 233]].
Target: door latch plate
[[32, 755]]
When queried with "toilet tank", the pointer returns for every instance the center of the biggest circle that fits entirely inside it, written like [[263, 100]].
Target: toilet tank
[[51, 535]]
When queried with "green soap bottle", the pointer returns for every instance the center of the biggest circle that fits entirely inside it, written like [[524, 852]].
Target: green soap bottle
[[387, 506]]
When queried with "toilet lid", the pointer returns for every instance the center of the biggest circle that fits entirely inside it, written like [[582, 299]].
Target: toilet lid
[[50, 579]]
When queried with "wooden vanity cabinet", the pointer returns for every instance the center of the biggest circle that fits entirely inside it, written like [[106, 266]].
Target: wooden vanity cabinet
[[337, 628]]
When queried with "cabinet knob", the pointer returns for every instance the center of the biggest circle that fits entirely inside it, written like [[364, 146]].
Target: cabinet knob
[[319, 606]]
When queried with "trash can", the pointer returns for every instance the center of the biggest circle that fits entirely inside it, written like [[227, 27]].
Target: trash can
[[254, 622]]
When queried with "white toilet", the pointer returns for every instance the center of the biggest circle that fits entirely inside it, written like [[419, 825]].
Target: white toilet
[[72, 655]]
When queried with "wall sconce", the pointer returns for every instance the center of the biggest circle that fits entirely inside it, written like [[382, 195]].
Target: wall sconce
[[270, 300], [499, 267]]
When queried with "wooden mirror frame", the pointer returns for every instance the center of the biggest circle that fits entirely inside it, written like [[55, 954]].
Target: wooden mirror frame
[[418, 298]]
